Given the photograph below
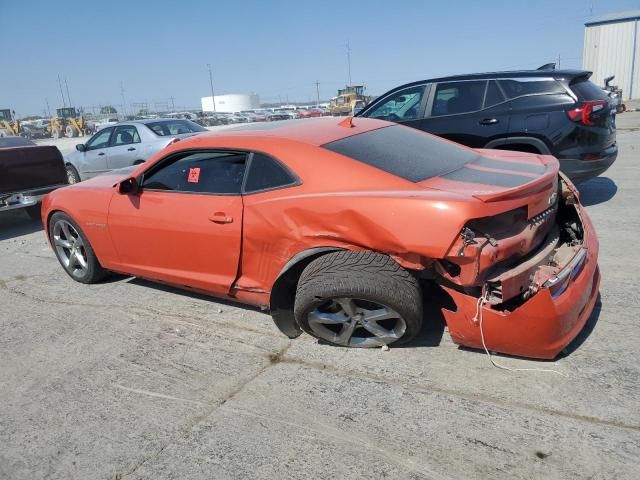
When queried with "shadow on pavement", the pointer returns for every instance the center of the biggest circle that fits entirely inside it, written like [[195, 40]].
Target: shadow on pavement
[[188, 293], [597, 190], [15, 223]]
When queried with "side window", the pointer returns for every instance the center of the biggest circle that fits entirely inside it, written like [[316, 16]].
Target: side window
[[494, 95], [100, 139], [202, 172], [265, 173], [402, 105], [517, 87], [458, 97], [124, 135]]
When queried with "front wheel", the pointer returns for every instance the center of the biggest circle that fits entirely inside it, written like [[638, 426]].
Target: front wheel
[[73, 250], [358, 299]]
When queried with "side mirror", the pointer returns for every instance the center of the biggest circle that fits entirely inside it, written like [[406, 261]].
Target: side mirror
[[130, 186], [81, 147]]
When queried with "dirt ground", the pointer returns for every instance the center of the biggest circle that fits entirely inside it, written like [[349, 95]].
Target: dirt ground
[[128, 379]]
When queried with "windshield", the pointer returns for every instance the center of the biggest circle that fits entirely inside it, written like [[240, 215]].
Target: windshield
[[165, 128]]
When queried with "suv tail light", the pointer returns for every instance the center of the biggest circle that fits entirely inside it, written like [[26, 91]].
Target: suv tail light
[[582, 113]]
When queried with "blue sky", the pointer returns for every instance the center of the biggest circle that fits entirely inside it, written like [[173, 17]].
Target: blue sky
[[278, 49]]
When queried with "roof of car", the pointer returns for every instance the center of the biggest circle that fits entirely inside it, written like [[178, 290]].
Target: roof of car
[[565, 73], [313, 131]]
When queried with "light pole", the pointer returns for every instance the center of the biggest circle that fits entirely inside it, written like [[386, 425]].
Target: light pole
[[213, 97]]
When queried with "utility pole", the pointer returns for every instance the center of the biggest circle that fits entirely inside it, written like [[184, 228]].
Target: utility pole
[[64, 104], [349, 61], [317, 93], [67, 87], [173, 106], [124, 103], [213, 96], [558, 61], [46, 100]]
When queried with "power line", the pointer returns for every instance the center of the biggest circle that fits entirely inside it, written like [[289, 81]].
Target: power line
[[349, 60], [213, 97]]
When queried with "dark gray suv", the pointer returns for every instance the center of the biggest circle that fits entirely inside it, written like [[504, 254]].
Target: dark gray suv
[[551, 112]]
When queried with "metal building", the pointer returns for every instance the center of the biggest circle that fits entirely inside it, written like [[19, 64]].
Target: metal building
[[611, 48], [231, 103]]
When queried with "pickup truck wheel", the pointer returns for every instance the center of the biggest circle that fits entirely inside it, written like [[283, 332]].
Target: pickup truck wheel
[[34, 211], [73, 250], [358, 299], [72, 175]]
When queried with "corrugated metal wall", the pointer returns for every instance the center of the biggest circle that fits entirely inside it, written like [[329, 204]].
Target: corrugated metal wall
[[609, 50]]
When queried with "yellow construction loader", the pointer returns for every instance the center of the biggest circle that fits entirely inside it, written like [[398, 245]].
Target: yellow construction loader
[[350, 98], [69, 123], [8, 126]]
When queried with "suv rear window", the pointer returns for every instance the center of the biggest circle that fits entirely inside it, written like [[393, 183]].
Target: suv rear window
[[586, 90], [518, 87], [404, 152]]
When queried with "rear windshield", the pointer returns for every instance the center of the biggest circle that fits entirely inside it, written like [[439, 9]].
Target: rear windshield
[[174, 127], [587, 90], [404, 152]]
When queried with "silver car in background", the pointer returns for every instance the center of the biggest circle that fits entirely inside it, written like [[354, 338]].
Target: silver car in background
[[125, 144]]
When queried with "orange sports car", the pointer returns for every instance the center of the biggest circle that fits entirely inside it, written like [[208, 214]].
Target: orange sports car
[[337, 226]]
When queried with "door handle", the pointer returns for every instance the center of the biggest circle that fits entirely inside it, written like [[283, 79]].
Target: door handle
[[131, 149], [100, 154], [220, 217], [489, 121]]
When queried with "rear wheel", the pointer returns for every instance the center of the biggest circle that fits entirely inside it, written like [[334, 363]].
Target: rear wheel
[[72, 174], [73, 250], [358, 299]]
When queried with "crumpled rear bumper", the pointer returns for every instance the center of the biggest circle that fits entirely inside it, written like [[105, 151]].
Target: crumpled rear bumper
[[543, 325]]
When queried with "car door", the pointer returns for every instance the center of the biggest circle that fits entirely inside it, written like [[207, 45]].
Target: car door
[[470, 112], [124, 148], [404, 106], [184, 225], [94, 159]]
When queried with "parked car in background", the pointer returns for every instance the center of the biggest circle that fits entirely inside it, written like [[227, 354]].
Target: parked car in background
[[335, 230], [125, 144], [309, 113], [28, 173], [35, 129], [275, 116], [105, 123], [550, 112]]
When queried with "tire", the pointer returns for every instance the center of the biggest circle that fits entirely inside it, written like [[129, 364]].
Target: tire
[[70, 131], [87, 132], [56, 132], [34, 211], [358, 299], [72, 174], [73, 250]]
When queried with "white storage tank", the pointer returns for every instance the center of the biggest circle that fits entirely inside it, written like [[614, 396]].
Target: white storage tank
[[611, 48], [233, 102]]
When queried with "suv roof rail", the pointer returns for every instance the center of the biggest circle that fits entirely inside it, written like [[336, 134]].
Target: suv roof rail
[[547, 66]]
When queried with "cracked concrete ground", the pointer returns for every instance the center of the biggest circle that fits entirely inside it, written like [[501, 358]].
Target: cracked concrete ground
[[131, 380]]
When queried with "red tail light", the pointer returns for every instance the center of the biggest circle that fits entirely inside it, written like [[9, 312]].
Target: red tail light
[[582, 114]]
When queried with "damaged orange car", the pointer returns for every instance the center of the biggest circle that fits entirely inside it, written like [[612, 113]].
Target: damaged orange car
[[336, 228]]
